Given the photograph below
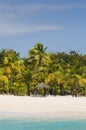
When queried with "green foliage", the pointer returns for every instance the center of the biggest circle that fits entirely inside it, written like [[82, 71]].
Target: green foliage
[[38, 57], [20, 89], [6, 89], [65, 73]]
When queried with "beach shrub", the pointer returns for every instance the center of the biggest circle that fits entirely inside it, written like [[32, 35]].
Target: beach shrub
[[20, 89], [6, 89]]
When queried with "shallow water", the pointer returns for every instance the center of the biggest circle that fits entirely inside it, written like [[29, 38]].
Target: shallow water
[[41, 124]]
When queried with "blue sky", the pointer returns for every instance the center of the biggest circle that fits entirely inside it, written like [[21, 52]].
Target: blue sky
[[58, 24]]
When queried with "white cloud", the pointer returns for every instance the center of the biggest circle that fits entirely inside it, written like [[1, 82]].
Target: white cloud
[[12, 18], [12, 21], [16, 11], [29, 8], [14, 30]]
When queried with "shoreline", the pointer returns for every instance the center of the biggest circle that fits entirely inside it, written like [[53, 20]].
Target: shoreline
[[43, 107]]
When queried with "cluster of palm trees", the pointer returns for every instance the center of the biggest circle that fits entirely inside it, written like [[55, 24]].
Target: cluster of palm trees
[[65, 73]]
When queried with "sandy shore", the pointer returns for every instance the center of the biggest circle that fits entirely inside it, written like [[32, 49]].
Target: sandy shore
[[50, 105]]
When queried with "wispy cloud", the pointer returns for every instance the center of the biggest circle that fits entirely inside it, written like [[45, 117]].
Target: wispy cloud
[[15, 30], [12, 15], [29, 8]]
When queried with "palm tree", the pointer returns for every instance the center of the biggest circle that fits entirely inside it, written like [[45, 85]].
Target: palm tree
[[3, 82], [12, 65], [38, 57], [56, 80]]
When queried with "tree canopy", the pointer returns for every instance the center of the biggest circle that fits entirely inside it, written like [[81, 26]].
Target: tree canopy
[[64, 73]]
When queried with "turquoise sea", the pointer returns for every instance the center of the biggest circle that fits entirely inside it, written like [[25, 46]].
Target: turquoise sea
[[42, 124]]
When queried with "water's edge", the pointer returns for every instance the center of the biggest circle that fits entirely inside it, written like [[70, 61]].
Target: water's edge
[[42, 116]]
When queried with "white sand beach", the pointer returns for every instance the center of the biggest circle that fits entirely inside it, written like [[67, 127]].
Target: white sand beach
[[59, 105]]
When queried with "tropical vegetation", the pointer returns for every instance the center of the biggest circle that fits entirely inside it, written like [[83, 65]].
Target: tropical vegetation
[[64, 73]]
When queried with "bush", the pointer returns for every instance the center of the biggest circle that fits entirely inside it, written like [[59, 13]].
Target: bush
[[20, 89]]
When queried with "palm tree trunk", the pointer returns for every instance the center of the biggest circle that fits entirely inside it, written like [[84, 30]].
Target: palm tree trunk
[[11, 82]]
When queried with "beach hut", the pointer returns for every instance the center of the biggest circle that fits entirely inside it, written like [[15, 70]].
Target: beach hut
[[42, 89]]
